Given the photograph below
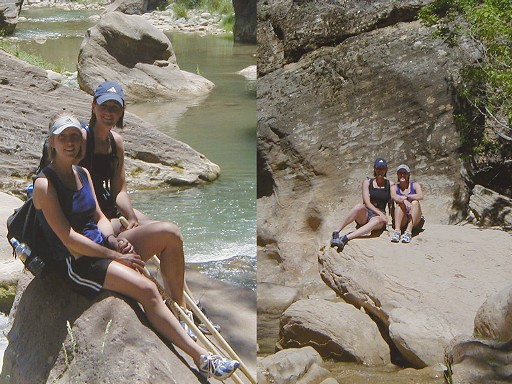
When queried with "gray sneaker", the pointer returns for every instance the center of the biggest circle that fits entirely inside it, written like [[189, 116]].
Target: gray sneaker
[[340, 242], [395, 237], [335, 238]]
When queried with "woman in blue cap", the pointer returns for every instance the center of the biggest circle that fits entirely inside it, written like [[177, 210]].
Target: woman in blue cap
[[104, 159], [371, 213], [407, 215]]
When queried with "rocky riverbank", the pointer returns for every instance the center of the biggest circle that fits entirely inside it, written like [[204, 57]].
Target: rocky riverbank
[[197, 21]]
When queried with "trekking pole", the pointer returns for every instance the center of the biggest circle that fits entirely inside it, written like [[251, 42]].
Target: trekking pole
[[175, 308], [197, 311], [223, 343]]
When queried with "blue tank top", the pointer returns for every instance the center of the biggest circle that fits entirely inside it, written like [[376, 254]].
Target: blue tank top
[[412, 191], [78, 207]]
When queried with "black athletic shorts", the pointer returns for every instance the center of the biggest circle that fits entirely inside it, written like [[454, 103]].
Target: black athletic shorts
[[85, 275]]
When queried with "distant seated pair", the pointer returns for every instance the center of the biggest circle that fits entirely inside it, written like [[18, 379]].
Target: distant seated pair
[[401, 199]]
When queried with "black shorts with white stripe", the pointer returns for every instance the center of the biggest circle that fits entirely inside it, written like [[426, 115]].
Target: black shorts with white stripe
[[85, 275]]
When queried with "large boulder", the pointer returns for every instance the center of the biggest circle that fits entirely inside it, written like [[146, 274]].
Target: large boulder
[[289, 29], [479, 361], [294, 365], [494, 318], [58, 336], [135, 7], [9, 12], [29, 100], [486, 356], [335, 330], [490, 208], [244, 30], [129, 50], [424, 293]]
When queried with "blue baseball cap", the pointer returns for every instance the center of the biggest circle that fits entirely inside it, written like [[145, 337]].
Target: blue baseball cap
[[380, 162], [109, 90]]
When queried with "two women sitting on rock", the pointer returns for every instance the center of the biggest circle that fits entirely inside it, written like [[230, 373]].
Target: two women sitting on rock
[[379, 193], [87, 252]]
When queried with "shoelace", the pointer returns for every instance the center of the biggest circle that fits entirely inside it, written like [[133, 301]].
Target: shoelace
[[214, 362]]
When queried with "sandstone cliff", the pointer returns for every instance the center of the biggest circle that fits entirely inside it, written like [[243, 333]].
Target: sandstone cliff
[[340, 84]]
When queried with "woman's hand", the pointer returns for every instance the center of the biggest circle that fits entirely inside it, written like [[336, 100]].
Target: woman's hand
[[124, 246], [128, 224], [132, 260], [408, 204]]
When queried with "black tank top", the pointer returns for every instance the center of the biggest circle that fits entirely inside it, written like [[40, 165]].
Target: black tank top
[[380, 196], [102, 167]]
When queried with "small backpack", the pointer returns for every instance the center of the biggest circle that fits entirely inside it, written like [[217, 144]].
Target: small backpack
[[24, 226]]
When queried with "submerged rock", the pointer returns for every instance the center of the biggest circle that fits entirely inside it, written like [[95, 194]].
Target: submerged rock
[[290, 366]]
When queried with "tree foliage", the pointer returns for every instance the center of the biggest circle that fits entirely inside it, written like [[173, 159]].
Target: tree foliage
[[487, 84]]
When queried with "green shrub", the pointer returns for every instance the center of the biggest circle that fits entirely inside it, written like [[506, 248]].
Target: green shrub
[[180, 11], [228, 22], [30, 58], [488, 82]]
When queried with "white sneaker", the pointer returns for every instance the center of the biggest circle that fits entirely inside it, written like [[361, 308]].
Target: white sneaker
[[406, 237], [216, 366], [395, 237]]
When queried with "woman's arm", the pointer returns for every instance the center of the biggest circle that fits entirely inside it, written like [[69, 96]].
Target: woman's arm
[[419, 193], [105, 226], [46, 199], [119, 188], [395, 196]]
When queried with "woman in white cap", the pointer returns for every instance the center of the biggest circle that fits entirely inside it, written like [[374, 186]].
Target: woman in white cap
[[371, 214], [407, 215], [86, 252]]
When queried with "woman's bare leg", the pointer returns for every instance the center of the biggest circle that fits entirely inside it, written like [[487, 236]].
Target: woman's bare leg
[[400, 217], [415, 215], [358, 213], [164, 240], [128, 282], [376, 222]]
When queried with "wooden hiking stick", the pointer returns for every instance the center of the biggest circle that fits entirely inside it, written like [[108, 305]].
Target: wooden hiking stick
[[223, 343], [176, 309]]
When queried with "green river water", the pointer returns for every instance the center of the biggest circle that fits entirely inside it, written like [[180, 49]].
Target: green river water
[[218, 220]]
